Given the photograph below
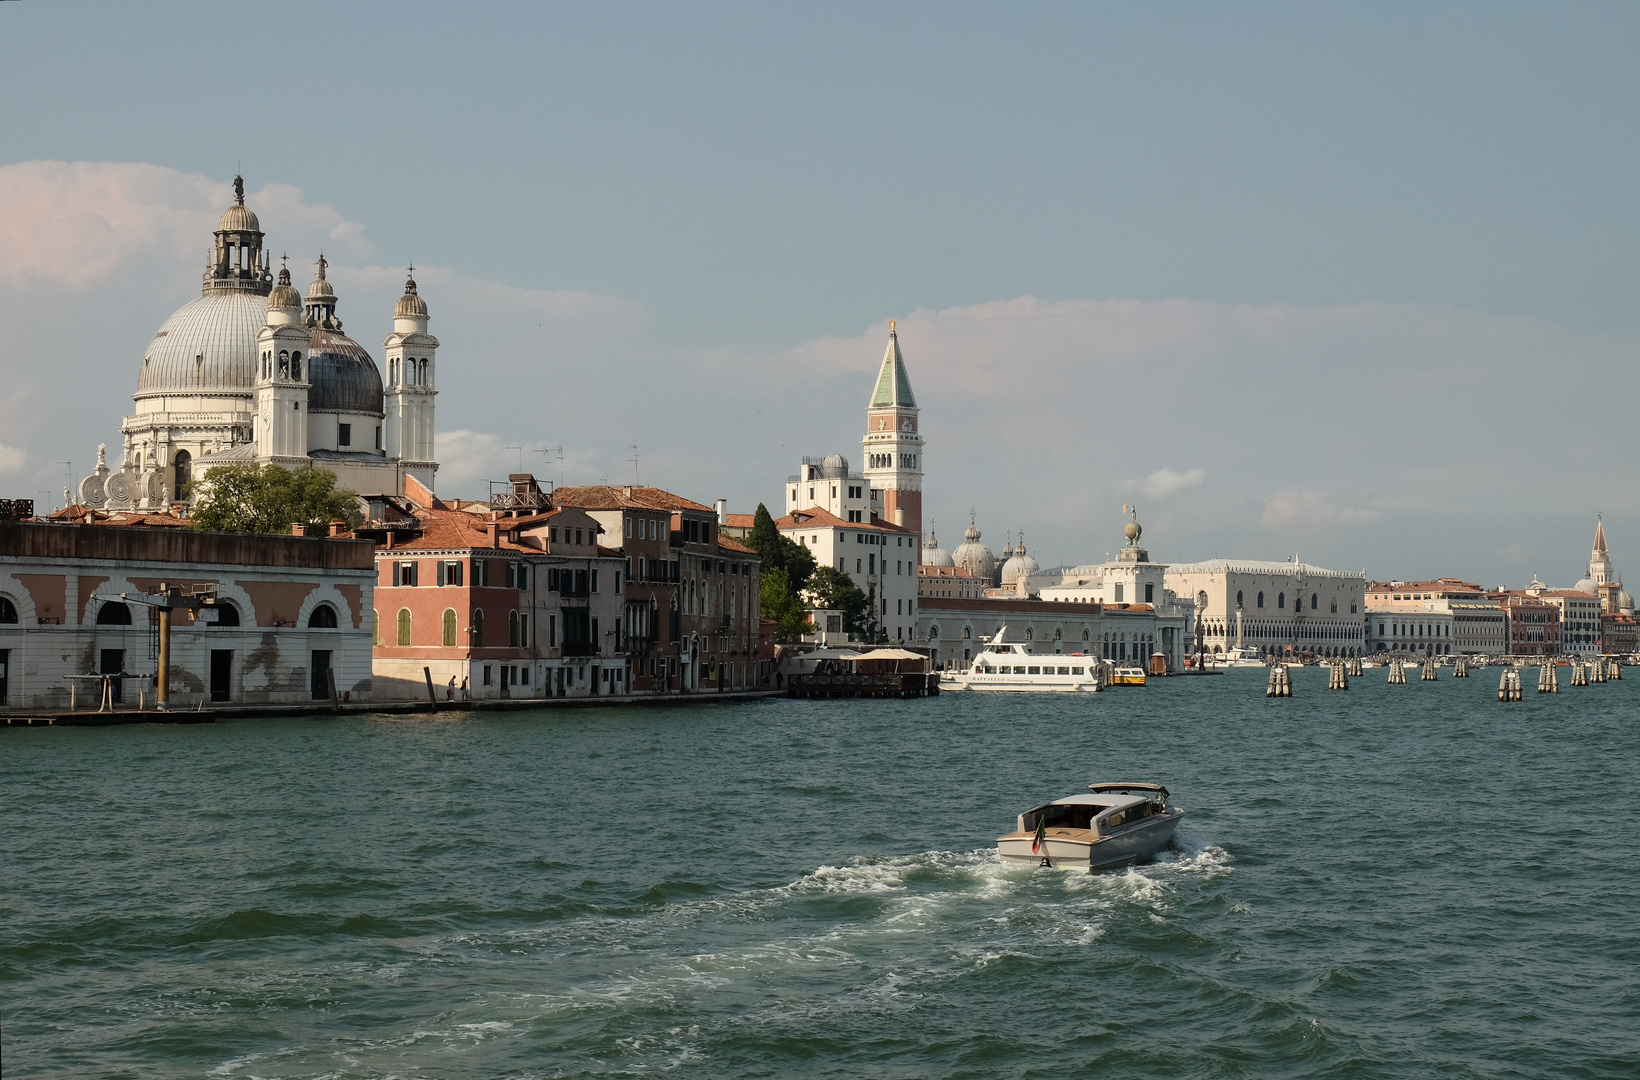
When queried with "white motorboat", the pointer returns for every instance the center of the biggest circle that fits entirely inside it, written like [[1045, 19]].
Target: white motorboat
[[1114, 825], [1011, 666]]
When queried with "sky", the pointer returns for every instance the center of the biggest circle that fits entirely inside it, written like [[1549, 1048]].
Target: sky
[[1350, 283]]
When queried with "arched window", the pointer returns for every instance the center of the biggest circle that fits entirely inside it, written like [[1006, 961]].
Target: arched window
[[323, 617], [1084, 635], [1312, 602], [1281, 601], [449, 628], [1261, 600], [296, 366], [8, 610], [967, 632], [934, 632], [512, 629], [226, 613], [1056, 633], [1238, 601], [184, 473], [404, 626], [113, 613], [424, 373], [1030, 633], [478, 628], [1334, 607]]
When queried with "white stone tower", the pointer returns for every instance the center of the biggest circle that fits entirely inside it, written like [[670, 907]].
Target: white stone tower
[[893, 446], [281, 383], [411, 382]]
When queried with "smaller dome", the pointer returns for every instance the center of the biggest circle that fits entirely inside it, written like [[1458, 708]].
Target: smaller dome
[[320, 290], [284, 295], [1625, 602], [410, 305], [238, 218], [932, 553], [1018, 567], [974, 556], [1587, 584], [834, 465]]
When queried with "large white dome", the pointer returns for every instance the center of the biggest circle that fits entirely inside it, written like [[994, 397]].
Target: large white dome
[[974, 556], [208, 346]]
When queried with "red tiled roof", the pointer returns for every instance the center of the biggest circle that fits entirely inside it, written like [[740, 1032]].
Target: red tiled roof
[[817, 517], [740, 521], [729, 543], [608, 497]]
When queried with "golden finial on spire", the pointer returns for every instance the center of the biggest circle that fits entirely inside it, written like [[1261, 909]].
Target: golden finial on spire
[[891, 326]]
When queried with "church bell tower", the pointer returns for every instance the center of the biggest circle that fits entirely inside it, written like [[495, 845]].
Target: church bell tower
[[893, 446], [281, 383], [412, 368]]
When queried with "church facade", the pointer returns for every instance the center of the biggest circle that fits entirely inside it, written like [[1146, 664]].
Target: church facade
[[252, 371]]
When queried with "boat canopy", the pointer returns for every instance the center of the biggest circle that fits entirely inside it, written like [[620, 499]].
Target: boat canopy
[[1104, 788]]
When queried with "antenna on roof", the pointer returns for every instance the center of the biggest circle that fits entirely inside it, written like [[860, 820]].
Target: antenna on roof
[[520, 450], [634, 460]]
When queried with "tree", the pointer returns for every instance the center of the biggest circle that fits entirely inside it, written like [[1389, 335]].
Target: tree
[[779, 552], [791, 620], [255, 498], [833, 590]]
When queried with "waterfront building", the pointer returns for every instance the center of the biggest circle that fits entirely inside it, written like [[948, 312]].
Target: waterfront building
[[949, 581], [509, 598], [691, 620], [289, 621], [1445, 616], [1118, 610], [1578, 615], [1274, 607], [251, 371], [1534, 624], [880, 558], [1619, 634]]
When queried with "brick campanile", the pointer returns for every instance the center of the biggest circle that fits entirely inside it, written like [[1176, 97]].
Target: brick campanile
[[893, 446]]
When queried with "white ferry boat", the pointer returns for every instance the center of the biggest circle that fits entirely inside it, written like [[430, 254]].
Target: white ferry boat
[[1010, 666]]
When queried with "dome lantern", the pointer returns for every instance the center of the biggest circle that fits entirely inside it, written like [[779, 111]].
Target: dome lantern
[[237, 263]]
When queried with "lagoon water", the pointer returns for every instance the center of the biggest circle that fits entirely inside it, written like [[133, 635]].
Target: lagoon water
[[1409, 881]]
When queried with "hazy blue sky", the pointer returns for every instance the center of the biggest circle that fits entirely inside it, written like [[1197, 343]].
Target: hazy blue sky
[[1358, 283]]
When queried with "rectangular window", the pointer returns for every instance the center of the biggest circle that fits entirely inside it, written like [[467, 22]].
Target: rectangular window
[[512, 575], [552, 631], [617, 581], [524, 631], [596, 649], [344, 434], [629, 528], [488, 677], [405, 574], [378, 436], [595, 581], [553, 534]]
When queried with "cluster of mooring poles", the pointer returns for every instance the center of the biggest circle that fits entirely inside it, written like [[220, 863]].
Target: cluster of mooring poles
[[1397, 673], [1580, 674], [1281, 683], [1355, 666], [1548, 681], [1429, 672], [1337, 677], [1509, 684], [1460, 667]]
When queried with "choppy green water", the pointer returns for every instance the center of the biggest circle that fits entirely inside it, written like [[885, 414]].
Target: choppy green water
[[1393, 882]]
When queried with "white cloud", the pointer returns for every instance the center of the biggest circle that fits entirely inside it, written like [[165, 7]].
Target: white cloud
[[1164, 482], [11, 459], [76, 223], [1308, 512]]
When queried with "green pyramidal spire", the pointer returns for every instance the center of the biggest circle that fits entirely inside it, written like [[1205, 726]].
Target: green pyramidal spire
[[893, 385]]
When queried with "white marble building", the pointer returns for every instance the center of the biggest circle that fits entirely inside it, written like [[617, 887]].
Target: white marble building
[[251, 370]]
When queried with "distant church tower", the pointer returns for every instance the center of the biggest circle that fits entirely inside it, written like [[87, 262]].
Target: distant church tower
[[893, 447], [411, 384]]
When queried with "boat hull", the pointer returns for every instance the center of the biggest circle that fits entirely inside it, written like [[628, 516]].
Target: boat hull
[[1066, 851], [1002, 684]]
